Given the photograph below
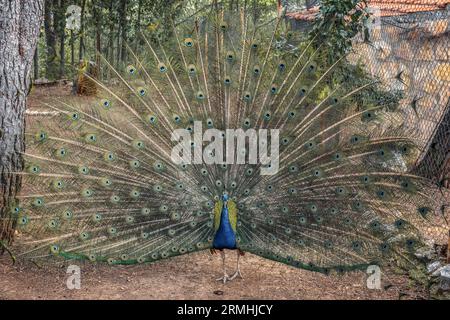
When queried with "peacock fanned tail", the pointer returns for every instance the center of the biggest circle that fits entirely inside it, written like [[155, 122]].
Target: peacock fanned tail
[[100, 183]]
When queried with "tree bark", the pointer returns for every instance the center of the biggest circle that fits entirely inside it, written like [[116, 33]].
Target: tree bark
[[20, 21]]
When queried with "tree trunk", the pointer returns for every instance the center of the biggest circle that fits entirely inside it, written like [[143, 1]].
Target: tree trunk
[[50, 40], [123, 29], [80, 53], [62, 38], [138, 26], [112, 22], [98, 30], [36, 64], [72, 48], [20, 22]]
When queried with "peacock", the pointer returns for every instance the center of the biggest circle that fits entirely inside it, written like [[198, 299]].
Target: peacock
[[231, 132]]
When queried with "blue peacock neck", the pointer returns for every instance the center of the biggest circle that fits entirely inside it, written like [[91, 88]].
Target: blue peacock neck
[[224, 218], [225, 237]]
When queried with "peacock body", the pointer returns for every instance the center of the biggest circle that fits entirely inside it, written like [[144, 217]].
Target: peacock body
[[102, 184]]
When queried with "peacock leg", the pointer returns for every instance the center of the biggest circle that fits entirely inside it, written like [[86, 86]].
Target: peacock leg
[[225, 277], [238, 270]]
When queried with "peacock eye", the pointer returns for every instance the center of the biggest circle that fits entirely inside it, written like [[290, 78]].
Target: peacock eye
[[191, 69], [23, 220], [142, 92], [273, 89], [106, 103], [61, 153], [255, 45], [83, 170], [162, 67], [223, 26], [109, 156], [227, 80], [131, 69], [188, 42], [281, 66], [42, 136], [200, 95], [230, 56], [138, 144], [52, 224], [151, 119], [54, 249], [75, 116]]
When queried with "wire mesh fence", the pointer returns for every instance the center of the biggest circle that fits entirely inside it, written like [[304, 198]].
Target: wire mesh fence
[[408, 49]]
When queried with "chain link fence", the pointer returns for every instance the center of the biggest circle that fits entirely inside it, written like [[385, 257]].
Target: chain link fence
[[410, 53]]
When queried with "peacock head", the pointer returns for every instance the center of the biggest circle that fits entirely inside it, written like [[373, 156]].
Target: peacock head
[[225, 197]]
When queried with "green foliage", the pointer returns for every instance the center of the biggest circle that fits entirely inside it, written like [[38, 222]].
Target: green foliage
[[339, 21]]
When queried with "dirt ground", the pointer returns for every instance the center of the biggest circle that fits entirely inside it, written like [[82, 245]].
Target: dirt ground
[[193, 277]]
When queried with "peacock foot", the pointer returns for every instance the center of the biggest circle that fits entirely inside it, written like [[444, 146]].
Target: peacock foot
[[237, 274], [225, 278]]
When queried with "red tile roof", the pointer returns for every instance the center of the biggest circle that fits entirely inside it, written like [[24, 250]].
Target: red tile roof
[[387, 8], [397, 7]]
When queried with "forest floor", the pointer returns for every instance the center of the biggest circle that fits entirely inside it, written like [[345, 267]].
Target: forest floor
[[190, 276]]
